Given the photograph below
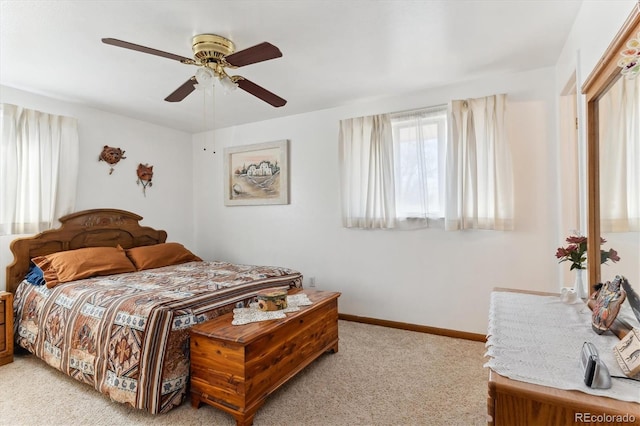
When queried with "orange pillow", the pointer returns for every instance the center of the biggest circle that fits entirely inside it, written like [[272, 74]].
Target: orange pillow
[[158, 255], [65, 266]]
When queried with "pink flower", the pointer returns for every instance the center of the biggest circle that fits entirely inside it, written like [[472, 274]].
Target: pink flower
[[578, 239], [613, 255], [576, 251], [562, 252]]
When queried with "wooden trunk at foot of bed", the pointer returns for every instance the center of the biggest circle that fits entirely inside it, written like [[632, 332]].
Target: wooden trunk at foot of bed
[[87, 228]]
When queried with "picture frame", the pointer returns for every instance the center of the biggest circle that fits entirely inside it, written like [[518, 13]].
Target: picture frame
[[257, 174]]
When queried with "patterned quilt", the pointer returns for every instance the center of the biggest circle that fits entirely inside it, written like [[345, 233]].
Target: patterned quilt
[[127, 335]]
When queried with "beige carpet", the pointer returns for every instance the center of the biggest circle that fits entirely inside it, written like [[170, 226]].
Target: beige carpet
[[380, 376]]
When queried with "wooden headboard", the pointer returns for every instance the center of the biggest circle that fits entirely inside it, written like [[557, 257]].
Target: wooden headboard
[[88, 228]]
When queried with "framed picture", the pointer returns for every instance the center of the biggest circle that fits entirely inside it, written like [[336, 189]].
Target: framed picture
[[257, 174]]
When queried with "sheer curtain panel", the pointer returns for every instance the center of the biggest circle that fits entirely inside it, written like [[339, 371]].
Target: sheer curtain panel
[[479, 176], [366, 172], [619, 141], [38, 169], [419, 140]]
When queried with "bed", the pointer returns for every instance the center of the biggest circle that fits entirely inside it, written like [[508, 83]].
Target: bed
[[123, 329]]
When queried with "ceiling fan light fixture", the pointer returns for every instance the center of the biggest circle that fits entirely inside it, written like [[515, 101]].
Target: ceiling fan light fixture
[[228, 84], [205, 77]]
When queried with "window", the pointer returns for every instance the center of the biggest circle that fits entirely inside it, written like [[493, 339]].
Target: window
[[402, 170], [38, 169], [419, 145]]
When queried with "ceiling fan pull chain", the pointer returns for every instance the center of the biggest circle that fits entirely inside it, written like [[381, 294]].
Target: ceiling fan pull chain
[[204, 107]]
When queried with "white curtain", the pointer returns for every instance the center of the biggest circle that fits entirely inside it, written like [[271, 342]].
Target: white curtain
[[619, 153], [479, 176], [419, 139], [366, 172], [38, 169]]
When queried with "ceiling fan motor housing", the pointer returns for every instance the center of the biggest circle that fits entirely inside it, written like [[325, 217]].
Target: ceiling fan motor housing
[[211, 48]]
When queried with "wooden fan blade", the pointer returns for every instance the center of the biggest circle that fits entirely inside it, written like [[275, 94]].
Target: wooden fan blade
[[258, 53], [138, 48], [183, 91], [260, 92]]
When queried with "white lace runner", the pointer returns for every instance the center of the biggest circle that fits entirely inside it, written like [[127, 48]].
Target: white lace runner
[[538, 339], [243, 316]]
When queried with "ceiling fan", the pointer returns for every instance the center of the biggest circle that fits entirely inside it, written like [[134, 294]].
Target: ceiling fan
[[214, 54]]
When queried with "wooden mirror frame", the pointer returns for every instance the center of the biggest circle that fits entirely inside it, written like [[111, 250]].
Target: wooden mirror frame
[[603, 76]]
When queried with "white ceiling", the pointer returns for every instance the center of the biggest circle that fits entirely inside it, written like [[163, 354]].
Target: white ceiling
[[334, 52]]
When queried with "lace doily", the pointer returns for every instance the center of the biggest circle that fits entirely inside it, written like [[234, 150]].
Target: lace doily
[[538, 339], [243, 316]]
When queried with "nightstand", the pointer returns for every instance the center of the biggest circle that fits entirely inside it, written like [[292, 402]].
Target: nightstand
[[6, 327]]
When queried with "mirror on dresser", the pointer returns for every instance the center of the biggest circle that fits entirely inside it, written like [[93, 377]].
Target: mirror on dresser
[[613, 156]]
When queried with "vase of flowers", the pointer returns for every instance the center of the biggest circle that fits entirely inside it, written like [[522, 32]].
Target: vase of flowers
[[576, 253]]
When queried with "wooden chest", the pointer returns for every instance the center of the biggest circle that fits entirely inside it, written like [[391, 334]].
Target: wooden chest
[[235, 368], [6, 328]]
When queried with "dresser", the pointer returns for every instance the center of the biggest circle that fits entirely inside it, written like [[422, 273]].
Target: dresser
[[6, 327], [513, 402]]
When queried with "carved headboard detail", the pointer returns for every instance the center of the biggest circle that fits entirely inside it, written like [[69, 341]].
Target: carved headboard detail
[[88, 228]]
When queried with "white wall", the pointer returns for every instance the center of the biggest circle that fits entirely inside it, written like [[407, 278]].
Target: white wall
[[596, 25], [168, 202], [428, 277]]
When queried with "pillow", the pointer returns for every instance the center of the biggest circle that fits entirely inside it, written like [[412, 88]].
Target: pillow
[[158, 255], [65, 266], [35, 275]]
